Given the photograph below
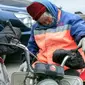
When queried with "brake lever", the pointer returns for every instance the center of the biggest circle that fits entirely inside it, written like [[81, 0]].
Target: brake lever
[[74, 51]]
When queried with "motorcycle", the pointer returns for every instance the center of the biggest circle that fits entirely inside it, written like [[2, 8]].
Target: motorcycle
[[43, 74]]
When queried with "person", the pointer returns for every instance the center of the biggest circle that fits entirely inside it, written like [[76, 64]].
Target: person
[[54, 29]]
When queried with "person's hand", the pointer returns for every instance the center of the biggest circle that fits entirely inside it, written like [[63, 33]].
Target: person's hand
[[82, 44], [23, 67]]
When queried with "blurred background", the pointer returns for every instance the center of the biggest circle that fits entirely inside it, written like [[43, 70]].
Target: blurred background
[[68, 5], [19, 3]]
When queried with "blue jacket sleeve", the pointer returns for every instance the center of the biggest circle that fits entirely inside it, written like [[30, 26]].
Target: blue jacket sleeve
[[1, 27], [32, 46], [77, 28]]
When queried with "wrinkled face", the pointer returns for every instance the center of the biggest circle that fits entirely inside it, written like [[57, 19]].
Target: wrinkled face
[[45, 19]]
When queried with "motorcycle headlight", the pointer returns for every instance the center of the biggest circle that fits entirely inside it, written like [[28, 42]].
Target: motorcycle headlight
[[47, 82], [25, 19]]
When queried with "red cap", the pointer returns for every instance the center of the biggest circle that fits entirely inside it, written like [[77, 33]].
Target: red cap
[[36, 10]]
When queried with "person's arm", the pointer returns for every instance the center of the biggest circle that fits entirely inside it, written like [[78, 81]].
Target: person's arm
[[1, 27], [77, 28], [78, 32], [32, 46]]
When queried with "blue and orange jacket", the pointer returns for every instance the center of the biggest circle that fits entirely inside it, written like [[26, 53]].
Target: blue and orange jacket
[[65, 33]]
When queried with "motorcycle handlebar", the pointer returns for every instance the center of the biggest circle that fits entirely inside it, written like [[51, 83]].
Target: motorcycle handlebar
[[23, 47], [26, 55]]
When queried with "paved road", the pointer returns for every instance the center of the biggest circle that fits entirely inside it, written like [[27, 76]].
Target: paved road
[[12, 67]]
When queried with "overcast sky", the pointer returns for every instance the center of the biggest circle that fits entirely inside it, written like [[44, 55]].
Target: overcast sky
[[71, 5]]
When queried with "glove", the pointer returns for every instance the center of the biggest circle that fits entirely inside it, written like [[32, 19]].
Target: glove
[[82, 44], [23, 67], [75, 62]]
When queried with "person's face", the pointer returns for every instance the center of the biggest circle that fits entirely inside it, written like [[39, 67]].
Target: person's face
[[45, 19]]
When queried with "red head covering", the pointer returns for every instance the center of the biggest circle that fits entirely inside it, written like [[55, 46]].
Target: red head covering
[[36, 10]]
